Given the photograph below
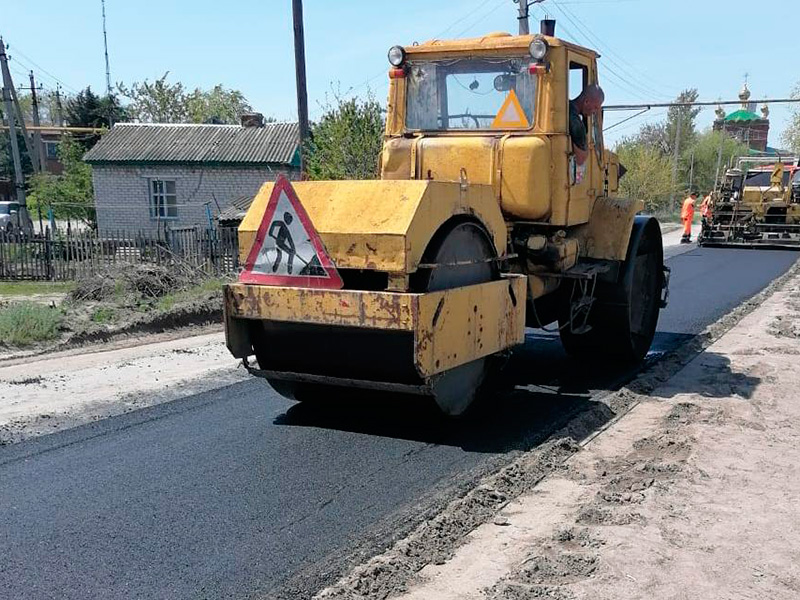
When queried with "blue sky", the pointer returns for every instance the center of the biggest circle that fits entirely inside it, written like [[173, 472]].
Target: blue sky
[[651, 48]]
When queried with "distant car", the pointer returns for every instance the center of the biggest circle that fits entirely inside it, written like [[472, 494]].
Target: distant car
[[12, 222]]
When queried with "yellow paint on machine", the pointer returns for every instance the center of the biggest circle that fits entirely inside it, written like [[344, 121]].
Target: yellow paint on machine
[[450, 327], [456, 326], [381, 225]]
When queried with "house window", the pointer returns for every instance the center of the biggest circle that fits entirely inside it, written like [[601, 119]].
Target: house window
[[163, 201], [51, 150]]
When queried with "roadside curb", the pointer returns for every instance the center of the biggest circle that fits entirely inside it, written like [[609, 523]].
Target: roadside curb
[[434, 541]]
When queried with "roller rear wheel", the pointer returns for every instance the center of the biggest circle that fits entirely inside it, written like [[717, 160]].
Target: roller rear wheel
[[625, 314]]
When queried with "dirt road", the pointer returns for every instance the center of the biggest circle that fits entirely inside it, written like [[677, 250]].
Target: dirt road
[[692, 494]]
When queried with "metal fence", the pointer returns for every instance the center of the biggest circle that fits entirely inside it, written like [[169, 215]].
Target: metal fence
[[66, 256]]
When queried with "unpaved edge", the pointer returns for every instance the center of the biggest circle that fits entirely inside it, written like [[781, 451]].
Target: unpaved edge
[[163, 327], [435, 540]]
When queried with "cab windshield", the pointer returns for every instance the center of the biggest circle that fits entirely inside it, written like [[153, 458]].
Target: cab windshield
[[469, 93]]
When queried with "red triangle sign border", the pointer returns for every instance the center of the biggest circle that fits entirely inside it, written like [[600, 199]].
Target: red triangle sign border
[[332, 278]]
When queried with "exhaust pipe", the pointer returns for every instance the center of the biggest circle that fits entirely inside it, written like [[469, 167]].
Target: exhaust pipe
[[548, 27]]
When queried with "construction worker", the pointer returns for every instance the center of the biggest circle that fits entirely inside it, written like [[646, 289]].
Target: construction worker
[[687, 214], [705, 209]]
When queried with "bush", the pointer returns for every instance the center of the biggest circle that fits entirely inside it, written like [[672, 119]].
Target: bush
[[23, 323]]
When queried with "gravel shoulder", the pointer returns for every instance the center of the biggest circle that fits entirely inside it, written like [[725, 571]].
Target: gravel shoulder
[[692, 493]]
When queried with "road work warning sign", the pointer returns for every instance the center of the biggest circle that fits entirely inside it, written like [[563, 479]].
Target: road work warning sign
[[511, 114], [287, 249]]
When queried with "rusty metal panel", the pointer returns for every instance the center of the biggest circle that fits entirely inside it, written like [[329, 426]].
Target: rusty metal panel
[[375, 310], [454, 327], [237, 332], [609, 230]]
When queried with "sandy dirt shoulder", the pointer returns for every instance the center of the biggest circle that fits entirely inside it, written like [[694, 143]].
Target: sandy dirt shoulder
[[53, 392], [694, 493]]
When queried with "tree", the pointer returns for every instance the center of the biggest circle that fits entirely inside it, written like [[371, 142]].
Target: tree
[[70, 195], [686, 115], [6, 160], [346, 142], [48, 106], [791, 136], [164, 102], [704, 153], [648, 177], [157, 102], [217, 105], [87, 109]]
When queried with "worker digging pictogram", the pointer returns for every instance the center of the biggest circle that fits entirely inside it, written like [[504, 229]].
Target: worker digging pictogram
[[287, 249]]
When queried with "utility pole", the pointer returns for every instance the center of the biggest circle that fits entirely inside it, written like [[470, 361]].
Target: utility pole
[[19, 179], [524, 23], [300, 72], [675, 159], [691, 172], [9, 83], [59, 108], [524, 13], [37, 134]]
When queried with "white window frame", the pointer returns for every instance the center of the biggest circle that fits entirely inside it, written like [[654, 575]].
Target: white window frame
[[50, 144], [162, 202]]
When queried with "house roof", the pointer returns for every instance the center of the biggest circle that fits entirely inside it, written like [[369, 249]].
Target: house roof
[[160, 143], [742, 115], [237, 209]]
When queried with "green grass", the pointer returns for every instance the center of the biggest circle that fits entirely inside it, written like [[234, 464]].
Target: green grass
[[104, 314], [29, 288], [201, 290], [23, 323]]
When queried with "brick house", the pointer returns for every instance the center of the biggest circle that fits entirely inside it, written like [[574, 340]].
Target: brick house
[[148, 177]]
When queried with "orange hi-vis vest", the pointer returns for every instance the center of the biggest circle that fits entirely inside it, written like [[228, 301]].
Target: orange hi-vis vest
[[687, 211]]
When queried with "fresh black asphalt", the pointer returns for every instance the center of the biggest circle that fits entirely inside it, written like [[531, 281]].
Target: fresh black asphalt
[[240, 493]]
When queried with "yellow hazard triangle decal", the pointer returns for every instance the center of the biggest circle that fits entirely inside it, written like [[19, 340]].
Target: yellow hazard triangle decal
[[511, 114]]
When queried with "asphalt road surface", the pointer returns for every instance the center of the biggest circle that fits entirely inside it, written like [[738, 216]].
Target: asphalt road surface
[[240, 493]]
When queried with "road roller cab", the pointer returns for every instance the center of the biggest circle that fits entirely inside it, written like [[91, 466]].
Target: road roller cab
[[482, 222]]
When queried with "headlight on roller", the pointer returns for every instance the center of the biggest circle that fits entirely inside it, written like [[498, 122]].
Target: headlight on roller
[[397, 56], [539, 48]]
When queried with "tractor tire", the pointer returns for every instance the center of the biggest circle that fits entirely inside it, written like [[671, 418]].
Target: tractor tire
[[625, 313]]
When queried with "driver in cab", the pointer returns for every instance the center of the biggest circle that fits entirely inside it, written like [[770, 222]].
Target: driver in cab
[[589, 103]]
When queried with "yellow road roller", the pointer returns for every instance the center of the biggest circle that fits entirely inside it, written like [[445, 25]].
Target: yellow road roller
[[485, 220]]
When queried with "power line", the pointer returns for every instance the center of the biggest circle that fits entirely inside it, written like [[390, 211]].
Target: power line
[[462, 19], [620, 81], [499, 5], [40, 68], [613, 125], [594, 41], [697, 103], [436, 36], [610, 51]]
